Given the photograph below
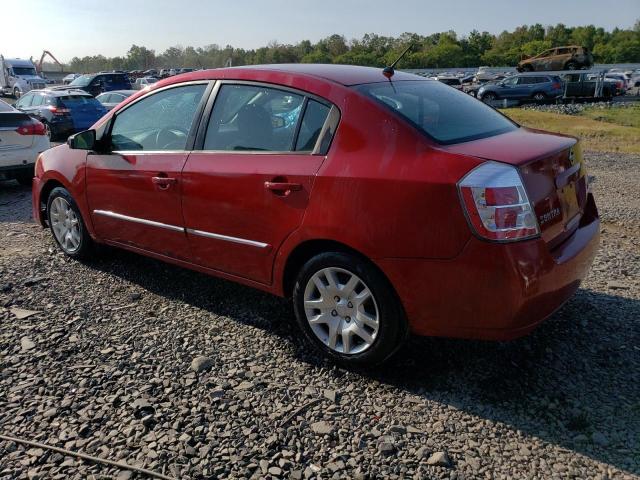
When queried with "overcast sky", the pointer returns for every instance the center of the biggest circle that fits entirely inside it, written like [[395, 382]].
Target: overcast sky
[[78, 28]]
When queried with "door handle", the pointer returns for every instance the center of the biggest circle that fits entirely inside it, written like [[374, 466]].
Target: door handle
[[283, 187], [164, 182]]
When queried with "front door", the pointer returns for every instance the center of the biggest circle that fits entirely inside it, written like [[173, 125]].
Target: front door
[[134, 189], [248, 188]]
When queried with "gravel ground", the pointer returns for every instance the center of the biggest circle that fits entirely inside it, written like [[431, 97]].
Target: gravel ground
[[105, 366]]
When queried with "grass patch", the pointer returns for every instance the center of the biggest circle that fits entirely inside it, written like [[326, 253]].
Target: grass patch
[[597, 135], [628, 116]]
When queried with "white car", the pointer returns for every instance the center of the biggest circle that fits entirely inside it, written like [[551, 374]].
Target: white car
[[22, 139]]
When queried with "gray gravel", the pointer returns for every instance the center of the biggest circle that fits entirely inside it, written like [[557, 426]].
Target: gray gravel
[[129, 359]]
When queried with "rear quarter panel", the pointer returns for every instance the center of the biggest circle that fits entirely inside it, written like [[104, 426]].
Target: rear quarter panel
[[385, 190]]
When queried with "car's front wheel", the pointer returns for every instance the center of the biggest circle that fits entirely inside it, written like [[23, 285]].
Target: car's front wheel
[[489, 97], [67, 226], [348, 310]]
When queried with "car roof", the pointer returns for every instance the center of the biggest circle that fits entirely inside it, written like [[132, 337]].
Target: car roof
[[61, 92], [347, 75], [121, 92]]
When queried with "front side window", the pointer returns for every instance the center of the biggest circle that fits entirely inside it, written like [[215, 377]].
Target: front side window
[[161, 121], [247, 117], [443, 113], [510, 81]]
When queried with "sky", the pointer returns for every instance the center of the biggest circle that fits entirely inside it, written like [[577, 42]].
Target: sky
[[71, 28]]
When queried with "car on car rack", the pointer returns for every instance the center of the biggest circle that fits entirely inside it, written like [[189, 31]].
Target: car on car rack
[[380, 202]]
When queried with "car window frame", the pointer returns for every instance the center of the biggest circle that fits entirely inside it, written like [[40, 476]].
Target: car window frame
[[28, 96], [320, 148], [191, 137]]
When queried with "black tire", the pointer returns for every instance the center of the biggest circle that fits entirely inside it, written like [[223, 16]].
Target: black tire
[[26, 178], [539, 97], [489, 97], [48, 130], [392, 325], [86, 246], [571, 65], [527, 68]]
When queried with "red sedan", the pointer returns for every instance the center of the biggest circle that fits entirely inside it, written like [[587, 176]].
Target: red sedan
[[381, 204]]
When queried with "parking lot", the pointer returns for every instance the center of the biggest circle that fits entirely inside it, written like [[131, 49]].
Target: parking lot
[[97, 358]]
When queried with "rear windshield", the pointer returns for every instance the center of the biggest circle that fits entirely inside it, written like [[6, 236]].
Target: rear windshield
[[443, 113], [71, 101]]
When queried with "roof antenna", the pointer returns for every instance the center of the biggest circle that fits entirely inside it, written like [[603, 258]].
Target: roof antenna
[[391, 69]]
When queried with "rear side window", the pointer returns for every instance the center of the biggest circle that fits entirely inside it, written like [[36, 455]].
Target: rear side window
[[443, 113], [37, 100], [247, 117], [71, 101], [314, 118]]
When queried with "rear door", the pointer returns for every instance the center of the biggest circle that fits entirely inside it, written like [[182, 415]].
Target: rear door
[[134, 190], [248, 187]]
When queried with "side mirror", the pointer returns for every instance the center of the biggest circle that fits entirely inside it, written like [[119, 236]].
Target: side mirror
[[82, 141]]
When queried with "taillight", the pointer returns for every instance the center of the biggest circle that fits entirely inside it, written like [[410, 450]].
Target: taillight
[[58, 110], [496, 203], [556, 86], [31, 127]]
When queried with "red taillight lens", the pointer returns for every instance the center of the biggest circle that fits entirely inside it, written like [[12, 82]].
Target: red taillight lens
[[496, 203], [556, 86], [58, 110], [31, 127]]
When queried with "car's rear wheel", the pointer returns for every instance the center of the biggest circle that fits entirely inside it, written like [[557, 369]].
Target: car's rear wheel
[[489, 97], [539, 97], [348, 310], [47, 130], [67, 225], [571, 66]]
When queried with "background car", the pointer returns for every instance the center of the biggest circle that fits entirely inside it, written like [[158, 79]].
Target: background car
[[96, 84], [270, 181], [63, 112], [111, 99], [585, 85], [22, 138], [70, 78], [454, 82], [572, 57], [625, 81], [143, 82], [523, 87]]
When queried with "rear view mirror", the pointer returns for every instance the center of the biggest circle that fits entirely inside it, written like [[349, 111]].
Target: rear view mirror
[[82, 141]]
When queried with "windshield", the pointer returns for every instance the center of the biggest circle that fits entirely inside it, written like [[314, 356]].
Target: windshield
[[82, 81], [24, 71], [443, 113]]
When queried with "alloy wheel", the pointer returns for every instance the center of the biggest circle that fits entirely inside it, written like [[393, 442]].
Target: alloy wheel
[[65, 225], [341, 310]]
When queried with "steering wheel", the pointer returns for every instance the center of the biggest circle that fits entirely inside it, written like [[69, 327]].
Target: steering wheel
[[167, 136]]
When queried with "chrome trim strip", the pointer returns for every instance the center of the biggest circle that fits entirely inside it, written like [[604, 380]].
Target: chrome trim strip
[[119, 216], [217, 236]]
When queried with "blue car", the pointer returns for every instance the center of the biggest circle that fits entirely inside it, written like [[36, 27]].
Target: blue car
[[63, 112], [98, 83], [536, 87]]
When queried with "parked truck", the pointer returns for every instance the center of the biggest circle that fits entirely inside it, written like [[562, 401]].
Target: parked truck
[[17, 77]]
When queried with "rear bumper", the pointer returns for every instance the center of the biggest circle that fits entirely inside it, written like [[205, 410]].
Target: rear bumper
[[494, 291], [14, 171]]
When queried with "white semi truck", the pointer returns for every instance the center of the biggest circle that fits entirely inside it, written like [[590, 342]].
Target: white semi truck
[[18, 76]]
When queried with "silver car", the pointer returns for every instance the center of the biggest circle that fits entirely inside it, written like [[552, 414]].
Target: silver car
[[113, 98]]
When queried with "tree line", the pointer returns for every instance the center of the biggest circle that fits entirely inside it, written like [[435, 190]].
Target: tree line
[[438, 50]]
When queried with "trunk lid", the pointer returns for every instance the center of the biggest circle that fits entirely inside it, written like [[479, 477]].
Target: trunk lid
[[10, 139], [552, 170]]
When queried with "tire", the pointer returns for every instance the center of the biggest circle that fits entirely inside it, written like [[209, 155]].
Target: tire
[[527, 68], [48, 130], [571, 65], [539, 97], [16, 93], [489, 97], [25, 179], [346, 277], [64, 216]]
